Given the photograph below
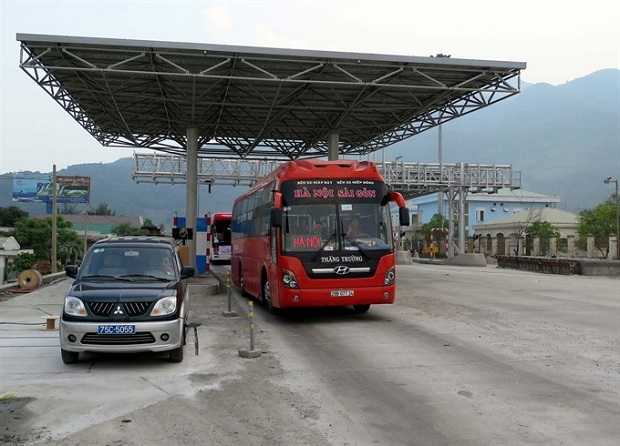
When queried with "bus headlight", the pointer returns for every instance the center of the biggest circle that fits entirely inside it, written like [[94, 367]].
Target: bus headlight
[[390, 276], [289, 279]]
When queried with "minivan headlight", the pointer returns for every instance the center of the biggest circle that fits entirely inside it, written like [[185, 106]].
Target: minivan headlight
[[165, 306], [75, 307]]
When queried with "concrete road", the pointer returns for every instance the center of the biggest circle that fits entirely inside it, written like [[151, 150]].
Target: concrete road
[[479, 356]]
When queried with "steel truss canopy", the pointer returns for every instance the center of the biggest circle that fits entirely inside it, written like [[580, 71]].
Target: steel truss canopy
[[255, 102]]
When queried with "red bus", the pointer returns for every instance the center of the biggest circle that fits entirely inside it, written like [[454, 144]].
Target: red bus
[[221, 245], [317, 233]]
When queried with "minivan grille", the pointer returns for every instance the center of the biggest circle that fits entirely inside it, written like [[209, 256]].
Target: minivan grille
[[121, 339], [130, 308]]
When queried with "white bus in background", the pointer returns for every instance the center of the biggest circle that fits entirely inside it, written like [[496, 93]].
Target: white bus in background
[[221, 247]]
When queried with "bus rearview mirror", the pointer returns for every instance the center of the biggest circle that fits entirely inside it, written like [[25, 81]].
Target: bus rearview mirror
[[403, 216], [276, 217]]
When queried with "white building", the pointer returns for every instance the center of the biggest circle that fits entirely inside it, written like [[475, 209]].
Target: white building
[[504, 236], [9, 248], [481, 208]]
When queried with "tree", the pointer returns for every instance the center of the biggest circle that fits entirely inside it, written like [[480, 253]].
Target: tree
[[22, 262], [437, 221], [36, 234], [544, 231], [12, 214], [599, 222], [533, 215], [102, 209], [68, 208], [127, 229]]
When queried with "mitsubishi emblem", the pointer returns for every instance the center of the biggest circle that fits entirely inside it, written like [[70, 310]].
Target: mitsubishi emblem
[[118, 310]]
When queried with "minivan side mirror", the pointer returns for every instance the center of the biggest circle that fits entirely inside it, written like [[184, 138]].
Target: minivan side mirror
[[187, 272], [71, 271]]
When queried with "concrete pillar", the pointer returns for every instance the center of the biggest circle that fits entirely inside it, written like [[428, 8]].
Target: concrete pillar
[[536, 246], [590, 247], [191, 190], [2, 266], [553, 246], [332, 153], [613, 247], [494, 246], [570, 246], [507, 246], [462, 191]]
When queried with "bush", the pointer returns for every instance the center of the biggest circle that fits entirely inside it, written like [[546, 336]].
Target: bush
[[22, 262]]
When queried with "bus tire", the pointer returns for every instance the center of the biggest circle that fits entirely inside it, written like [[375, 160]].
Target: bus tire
[[267, 296], [361, 308]]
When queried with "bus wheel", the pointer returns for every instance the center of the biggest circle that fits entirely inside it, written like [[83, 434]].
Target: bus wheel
[[267, 297], [361, 308]]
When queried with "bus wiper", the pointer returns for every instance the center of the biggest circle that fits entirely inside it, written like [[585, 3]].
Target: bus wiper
[[355, 243], [331, 237]]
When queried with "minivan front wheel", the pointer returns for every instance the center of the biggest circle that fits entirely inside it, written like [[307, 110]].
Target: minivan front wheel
[[69, 357], [176, 355]]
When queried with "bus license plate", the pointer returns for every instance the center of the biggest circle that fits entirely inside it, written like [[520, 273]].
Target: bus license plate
[[116, 329], [342, 293]]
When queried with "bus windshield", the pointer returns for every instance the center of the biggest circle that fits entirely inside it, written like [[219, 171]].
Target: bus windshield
[[323, 216]]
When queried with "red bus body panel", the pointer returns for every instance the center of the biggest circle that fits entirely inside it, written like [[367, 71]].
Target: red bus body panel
[[252, 255]]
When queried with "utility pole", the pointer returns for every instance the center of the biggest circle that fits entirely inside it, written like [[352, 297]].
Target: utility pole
[[54, 223], [617, 199]]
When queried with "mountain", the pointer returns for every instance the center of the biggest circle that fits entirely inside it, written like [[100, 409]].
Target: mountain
[[564, 139], [112, 184]]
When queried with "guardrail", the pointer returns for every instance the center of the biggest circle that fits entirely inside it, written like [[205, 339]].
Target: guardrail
[[539, 264]]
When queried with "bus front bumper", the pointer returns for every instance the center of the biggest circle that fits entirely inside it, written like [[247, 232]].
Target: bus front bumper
[[335, 296]]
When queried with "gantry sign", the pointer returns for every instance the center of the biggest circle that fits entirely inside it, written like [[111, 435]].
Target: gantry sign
[[203, 100]]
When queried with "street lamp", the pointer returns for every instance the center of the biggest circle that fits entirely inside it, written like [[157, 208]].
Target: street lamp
[[607, 181]]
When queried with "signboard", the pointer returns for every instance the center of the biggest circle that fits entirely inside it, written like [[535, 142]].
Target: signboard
[[39, 190], [302, 192]]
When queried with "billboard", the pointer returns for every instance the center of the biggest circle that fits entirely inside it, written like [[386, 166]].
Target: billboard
[[39, 190]]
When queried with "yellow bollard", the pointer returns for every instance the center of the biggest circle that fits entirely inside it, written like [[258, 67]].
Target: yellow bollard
[[252, 352]]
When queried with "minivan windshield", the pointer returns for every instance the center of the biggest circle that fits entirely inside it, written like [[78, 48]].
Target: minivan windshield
[[126, 261]]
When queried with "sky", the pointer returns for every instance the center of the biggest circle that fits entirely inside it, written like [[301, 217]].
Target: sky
[[558, 40]]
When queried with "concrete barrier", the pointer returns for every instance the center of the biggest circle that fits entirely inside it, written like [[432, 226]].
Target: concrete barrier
[[560, 265], [592, 267], [468, 259], [403, 258]]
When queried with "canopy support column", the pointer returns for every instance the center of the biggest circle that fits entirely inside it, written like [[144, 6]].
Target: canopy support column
[[191, 191], [332, 154]]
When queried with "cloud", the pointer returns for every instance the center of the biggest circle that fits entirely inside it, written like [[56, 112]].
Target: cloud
[[218, 17]]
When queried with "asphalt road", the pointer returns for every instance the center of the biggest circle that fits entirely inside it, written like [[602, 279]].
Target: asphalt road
[[466, 356]]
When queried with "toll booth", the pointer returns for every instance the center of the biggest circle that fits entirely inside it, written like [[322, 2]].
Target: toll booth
[[181, 233]]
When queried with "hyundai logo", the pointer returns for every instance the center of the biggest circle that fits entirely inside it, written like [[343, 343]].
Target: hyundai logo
[[118, 310], [341, 270]]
